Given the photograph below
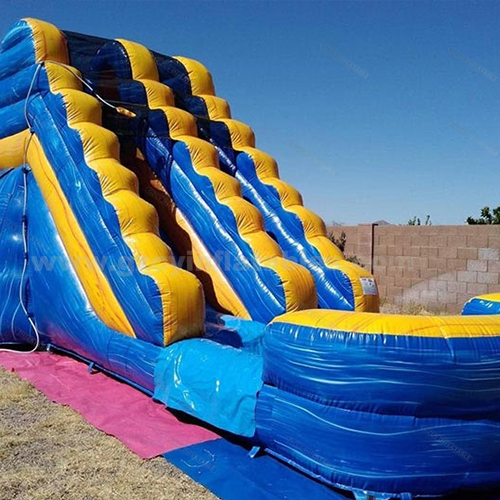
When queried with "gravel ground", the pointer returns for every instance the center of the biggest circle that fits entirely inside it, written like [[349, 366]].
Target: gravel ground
[[48, 451]]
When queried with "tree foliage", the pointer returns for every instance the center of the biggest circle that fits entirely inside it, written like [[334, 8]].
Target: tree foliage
[[340, 242], [487, 217], [415, 221]]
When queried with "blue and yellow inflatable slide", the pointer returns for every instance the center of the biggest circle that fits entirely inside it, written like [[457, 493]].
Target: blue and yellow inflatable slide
[[143, 231]]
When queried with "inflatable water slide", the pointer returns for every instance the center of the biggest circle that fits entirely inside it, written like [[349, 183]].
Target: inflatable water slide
[[142, 231]]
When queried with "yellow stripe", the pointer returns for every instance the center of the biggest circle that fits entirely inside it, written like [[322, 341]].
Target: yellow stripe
[[298, 284], [92, 278], [12, 150], [50, 43], [200, 78], [388, 324], [158, 94], [242, 135], [217, 108], [494, 297], [141, 62], [221, 291]]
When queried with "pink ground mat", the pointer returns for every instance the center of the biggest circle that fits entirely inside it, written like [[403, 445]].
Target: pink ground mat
[[113, 407]]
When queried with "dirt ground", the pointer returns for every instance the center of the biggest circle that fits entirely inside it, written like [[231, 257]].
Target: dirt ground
[[411, 309], [47, 451]]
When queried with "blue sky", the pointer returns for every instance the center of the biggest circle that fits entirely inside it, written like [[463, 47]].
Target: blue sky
[[358, 148]]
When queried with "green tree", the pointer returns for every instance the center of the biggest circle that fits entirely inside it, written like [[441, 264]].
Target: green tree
[[487, 217], [340, 242], [415, 221]]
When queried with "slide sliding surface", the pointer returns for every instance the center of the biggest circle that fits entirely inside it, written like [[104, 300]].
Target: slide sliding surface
[[228, 229], [52, 292]]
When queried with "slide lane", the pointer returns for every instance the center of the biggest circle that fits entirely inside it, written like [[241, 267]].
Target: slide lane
[[110, 233]]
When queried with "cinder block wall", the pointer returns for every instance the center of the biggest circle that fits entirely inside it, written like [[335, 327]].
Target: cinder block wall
[[440, 267]]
